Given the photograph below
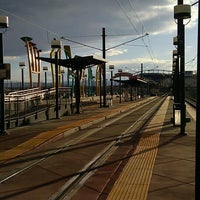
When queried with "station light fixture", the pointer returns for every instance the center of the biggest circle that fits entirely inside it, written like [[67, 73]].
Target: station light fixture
[[45, 68], [55, 43], [22, 64], [182, 11], [111, 67], [4, 22]]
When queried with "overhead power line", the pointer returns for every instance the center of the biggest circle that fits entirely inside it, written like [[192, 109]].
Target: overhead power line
[[85, 45], [127, 42], [195, 3]]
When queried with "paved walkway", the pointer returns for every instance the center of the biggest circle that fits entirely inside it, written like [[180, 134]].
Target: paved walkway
[[23, 139], [174, 170], [134, 181], [161, 168]]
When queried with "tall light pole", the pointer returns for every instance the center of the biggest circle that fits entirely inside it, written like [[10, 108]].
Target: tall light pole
[[3, 25], [111, 67], [62, 71], [45, 69], [197, 159], [104, 66], [55, 44], [22, 66], [181, 12], [120, 85]]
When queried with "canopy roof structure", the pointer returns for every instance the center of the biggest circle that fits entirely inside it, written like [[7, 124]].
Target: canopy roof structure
[[132, 79], [78, 62]]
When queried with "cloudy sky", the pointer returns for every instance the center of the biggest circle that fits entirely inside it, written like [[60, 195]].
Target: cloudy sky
[[82, 21]]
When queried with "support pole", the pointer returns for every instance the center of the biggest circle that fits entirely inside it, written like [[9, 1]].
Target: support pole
[[2, 111], [57, 94], [181, 53], [104, 66], [111, 85], [77, 90], [197, 167], [22, 70]]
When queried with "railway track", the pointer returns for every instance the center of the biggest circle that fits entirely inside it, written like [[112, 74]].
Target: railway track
[[92, 146], [68, 190], [191, 101]]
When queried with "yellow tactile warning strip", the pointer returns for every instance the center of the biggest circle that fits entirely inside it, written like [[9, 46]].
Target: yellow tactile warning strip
[[133, 183], [48, 135]]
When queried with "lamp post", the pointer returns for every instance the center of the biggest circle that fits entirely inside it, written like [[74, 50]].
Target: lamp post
[[120, 85], [56, 44], [22, 66], [85, 78], [181, 12], [45, 69], [3, 25], [111, 67], [197, 157], [62, 74], [104, 66]]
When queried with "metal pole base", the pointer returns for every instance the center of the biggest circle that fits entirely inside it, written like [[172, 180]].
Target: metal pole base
[[4, 133], [183, 134]]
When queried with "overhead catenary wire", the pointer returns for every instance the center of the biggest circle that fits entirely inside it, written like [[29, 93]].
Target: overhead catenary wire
[[195, 3], [27, 21], [127, 42], [149, 49], [129, 19]]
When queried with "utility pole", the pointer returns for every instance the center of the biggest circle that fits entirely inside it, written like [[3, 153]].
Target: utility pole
[[181, 56], [104, 66], [3, 25], [2, 131], [197, 159]]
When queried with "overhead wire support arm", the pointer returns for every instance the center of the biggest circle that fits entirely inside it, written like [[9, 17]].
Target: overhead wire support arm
[[85, 45], [127, 42], [195, 3]]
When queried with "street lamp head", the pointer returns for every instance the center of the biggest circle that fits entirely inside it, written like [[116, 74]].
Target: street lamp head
[[22, 64], [111, 66], [45, 68], [55, 43], [3, 21], [182, 11]]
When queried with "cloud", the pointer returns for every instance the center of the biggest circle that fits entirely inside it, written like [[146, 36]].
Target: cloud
[[83, 21], [116, 52], [135, 61], [42, 20]]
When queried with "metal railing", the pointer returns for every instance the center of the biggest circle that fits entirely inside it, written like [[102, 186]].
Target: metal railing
[[23, 107]]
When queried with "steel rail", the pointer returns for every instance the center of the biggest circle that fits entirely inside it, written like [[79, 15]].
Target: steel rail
[[72, 144], [71, 187]]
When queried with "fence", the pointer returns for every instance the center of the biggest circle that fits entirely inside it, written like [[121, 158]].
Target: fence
[[33, 105]]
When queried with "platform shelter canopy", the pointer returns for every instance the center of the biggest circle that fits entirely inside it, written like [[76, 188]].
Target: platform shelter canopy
[[78, 62]]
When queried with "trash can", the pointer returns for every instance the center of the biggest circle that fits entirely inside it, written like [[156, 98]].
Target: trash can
[[177, 114]]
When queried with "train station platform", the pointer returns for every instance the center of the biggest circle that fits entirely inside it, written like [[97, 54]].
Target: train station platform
[[160, 167], [23, 139]]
